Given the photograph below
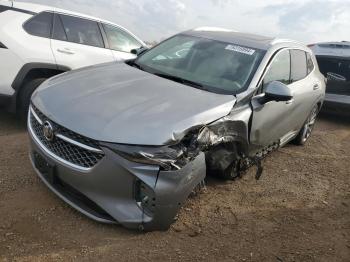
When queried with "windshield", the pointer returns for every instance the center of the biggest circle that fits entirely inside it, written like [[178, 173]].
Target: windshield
[[203, 63]]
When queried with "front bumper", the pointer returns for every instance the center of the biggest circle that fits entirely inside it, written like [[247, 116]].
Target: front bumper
[[106, 193]]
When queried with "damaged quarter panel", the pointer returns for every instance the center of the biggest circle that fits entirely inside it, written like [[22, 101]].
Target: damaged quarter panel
[[231, 128], [227, 139]]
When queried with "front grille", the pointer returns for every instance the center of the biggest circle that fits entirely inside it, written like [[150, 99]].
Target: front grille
[[85, 156]]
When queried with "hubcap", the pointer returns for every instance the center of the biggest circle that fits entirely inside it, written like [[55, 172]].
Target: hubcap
[[309, 125]]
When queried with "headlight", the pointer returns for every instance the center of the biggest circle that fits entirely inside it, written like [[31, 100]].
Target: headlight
[[166, 157]]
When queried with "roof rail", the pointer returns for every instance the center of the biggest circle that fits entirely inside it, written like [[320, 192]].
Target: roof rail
[[213, 29], [281, 40]]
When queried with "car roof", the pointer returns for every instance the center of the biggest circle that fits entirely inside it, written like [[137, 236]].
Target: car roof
[[37, 8], [335, 49], [239, 38], [334, 44]]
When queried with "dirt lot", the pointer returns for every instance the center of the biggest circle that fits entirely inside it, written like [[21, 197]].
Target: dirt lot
[[298, 211]]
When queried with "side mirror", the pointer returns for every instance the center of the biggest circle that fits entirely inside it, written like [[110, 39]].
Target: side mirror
[[277, 91], [139, 51]]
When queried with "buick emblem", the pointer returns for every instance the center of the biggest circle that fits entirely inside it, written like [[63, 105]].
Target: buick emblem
[[48, 131]]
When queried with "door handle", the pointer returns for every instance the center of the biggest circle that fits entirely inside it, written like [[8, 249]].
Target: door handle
[[316, 86], [66, 51]]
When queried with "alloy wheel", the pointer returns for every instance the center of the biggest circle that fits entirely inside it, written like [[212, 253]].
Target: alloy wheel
[[309, 125]]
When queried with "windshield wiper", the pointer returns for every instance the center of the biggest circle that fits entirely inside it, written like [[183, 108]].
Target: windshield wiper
[[181, 80]]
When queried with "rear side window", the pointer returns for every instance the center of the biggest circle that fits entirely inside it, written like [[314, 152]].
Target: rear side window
[[40, 25], [81, 31], [279, 69], [310, 63], [58, 30], [299, 67], [120, 40]]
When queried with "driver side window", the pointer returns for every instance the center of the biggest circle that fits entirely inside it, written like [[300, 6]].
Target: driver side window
[[279, 69]]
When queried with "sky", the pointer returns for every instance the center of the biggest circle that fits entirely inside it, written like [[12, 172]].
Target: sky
[[309, 21]]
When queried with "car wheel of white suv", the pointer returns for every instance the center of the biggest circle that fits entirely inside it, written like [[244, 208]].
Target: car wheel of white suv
[[25, 95]]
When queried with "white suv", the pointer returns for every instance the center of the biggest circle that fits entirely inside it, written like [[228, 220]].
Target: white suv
[[38, 42]]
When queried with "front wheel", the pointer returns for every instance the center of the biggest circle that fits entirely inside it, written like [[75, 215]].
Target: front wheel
[[306, 130]]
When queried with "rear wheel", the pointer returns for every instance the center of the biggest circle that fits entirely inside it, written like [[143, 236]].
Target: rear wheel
[[25, 95], [307, 129]]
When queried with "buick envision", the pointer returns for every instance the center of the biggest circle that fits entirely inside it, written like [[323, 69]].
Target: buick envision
[[127, 143]]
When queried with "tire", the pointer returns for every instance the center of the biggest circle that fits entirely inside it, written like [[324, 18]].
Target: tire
[[222, 161], [231, 173], [25, 95], [307, 128]]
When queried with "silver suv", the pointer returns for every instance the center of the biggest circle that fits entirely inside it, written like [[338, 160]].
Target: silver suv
[[127, 143]]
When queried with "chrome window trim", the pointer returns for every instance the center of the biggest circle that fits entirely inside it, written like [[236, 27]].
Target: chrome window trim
[[273, 56]]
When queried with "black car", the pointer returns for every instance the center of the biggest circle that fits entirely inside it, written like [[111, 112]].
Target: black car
[[334, 64]]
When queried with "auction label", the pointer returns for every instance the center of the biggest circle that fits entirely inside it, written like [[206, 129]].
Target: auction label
[[240, 49]]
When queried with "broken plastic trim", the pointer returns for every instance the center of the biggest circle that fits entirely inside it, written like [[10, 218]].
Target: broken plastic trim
[[167, 157], [226, 145]]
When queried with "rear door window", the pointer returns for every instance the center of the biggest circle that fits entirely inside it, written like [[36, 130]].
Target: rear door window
[[279, 69], [40, 25], [58, 30], [82, 31], [299, 67]]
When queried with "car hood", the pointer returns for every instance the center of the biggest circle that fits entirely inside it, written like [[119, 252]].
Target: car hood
[[121, 104]]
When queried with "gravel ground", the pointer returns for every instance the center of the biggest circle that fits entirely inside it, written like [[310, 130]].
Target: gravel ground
[[298, 211]]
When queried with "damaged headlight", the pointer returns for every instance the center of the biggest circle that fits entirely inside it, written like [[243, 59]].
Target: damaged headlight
[[168, 158]]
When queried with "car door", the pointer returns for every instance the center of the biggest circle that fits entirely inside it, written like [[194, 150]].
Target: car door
[[120, 42], [305, 87], [78, 42], [270, 120]]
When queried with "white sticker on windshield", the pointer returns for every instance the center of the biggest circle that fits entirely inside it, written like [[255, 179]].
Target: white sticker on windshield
[[240, 49]]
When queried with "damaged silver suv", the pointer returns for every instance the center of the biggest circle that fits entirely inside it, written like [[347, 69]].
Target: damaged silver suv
[[128, 142]]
